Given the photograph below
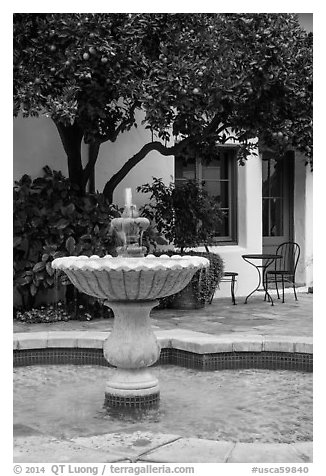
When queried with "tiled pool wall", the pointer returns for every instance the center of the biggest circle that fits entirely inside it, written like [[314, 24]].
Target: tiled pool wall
[[170, 356]]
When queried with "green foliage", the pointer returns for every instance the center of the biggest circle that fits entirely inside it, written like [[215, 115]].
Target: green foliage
[[204, 282], [51, 220], [185, 214], [45, 314], [62, 312], [202, 78]]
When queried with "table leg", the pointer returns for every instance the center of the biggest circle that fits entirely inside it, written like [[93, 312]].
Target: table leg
[[259, 281], [265, 285]]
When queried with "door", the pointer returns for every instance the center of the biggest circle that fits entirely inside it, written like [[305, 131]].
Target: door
[[277, 206]]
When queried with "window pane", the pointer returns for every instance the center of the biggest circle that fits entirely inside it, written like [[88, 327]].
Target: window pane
[[222, 229], [213, 188], [185, 171], [276, 180], [272, 178], [225, 200], [272, 196], [265, 217], [276, 217], [272, 217], [225, 165], [213, 173]]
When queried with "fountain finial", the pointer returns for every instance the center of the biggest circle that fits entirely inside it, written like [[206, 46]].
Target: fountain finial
[[130, 227]]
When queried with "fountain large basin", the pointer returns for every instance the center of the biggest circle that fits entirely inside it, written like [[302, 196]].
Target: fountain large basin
[[130, 279]]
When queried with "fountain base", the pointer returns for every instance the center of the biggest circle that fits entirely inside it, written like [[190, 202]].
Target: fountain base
[[132, 388], [133, 401]]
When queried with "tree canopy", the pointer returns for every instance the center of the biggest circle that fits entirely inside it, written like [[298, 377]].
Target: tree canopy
[[200, 79]]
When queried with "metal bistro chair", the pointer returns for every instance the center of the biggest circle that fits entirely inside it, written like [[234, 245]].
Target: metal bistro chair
[[230, 277], [285, 268]]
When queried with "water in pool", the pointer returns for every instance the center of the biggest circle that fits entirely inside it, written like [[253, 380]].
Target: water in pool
[[247, 405]]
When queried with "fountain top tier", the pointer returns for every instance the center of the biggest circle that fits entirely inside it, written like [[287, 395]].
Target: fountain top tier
[[129, 228]]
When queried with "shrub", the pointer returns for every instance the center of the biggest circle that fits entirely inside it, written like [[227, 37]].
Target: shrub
[[188, 217], [51, 220], [204, 282], [185, 214]]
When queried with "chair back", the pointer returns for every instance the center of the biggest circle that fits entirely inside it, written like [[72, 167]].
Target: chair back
[[290, 253]]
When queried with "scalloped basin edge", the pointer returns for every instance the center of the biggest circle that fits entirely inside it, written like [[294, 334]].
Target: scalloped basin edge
[[119, 278]]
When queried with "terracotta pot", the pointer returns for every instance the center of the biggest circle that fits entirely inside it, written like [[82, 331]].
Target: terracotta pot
[[188, 299]]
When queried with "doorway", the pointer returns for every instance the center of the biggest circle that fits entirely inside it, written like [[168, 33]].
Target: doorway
[[277, 196]]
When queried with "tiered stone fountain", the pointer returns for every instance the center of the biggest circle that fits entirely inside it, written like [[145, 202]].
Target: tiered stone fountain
[[131, 283]]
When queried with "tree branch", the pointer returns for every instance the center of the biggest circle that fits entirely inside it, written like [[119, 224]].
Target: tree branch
[[112, 137], [135, 159], [162, 149]]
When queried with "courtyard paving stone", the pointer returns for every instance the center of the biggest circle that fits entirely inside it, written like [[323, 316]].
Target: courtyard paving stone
[[128, 445], [191, 450], [42, 448], [293, 318], [264, 453]]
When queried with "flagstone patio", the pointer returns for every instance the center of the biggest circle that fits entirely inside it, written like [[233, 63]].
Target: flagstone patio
[[293, 318]]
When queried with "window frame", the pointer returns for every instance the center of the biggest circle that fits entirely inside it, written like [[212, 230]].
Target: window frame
[[232, 237]]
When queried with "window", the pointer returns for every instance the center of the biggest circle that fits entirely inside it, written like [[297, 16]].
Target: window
[[219, 177]]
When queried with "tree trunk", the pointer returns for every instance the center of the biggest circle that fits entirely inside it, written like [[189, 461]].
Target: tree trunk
[[89, 171], [71, 137]]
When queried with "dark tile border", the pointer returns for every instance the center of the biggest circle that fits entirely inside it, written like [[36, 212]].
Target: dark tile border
[[217, 361]]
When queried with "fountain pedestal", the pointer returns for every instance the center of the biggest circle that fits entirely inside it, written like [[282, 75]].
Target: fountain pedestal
[[132, 347]]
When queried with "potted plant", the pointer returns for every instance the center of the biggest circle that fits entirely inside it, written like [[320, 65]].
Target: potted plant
[[186, 216]]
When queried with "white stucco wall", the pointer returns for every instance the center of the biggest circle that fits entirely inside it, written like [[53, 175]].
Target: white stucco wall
[[309, 228], [36, 144], [303, 219]]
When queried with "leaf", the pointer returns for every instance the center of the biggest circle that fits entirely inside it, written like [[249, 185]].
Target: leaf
[[70, 245], [17, 241], [50, 281], [61, 224], [39, 267], [49, 269], [58, 254], [68, 210], [33, 289], [22, 280], [86, 237]]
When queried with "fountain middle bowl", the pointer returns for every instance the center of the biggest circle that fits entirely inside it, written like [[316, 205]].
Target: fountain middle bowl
[[131, 278]]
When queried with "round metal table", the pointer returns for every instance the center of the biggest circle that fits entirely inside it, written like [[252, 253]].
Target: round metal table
[[265, 260]]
